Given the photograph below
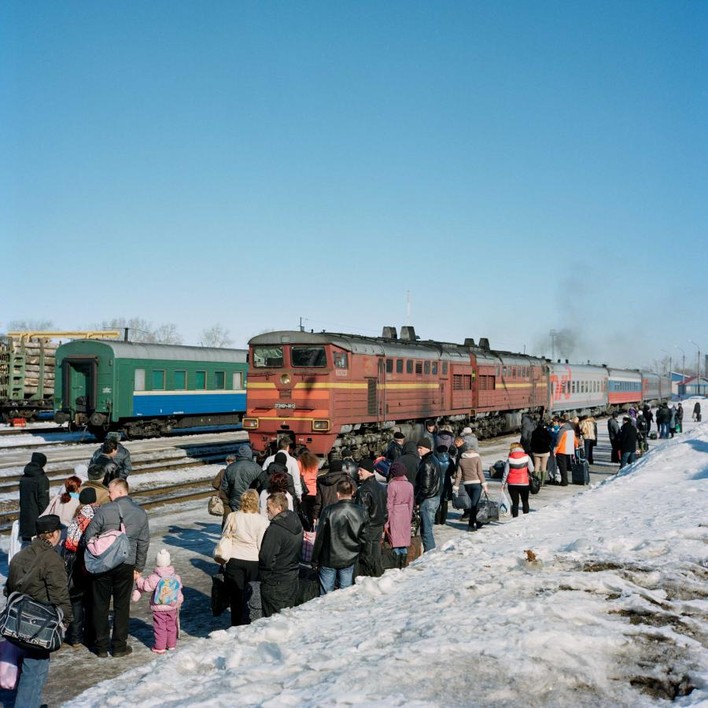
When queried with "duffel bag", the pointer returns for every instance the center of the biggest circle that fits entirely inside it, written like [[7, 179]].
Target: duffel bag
[[32, 624], [461, 500], [108, 550], [487, 510]]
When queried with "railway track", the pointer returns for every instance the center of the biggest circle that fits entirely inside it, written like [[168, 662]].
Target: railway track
[[36, 431], [148, 497]]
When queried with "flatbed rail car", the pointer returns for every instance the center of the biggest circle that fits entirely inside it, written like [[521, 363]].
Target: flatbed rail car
[[147, 390]]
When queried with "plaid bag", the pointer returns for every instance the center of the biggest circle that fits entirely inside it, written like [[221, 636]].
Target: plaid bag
[[308, 545]]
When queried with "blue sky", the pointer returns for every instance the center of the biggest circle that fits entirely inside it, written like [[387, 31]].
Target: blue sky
[[510, 167]]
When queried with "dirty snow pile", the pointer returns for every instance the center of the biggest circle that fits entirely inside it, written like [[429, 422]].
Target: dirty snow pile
[[613, 610]]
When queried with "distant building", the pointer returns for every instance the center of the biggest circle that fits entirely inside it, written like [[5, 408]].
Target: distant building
[[693, 386]]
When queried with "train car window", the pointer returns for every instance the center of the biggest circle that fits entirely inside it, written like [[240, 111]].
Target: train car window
[[399, 366], [409, 366], [267, 357], [236, 381], [419, 368], [308, 357], [180, 380], [461, 382], [426, 368], [435, 368], [199, 380], [504, 372], [158, 380], [389, 366], [220, 380], [139, 381], [341, 360], [444, 370]]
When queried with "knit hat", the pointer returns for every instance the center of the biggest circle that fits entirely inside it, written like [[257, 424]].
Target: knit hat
[[425, 442], [48, 523], [39, 458], [366, 463], [280, 458], [87, 496], [163, 558], [466, 431], [399, 436], [398, 469]]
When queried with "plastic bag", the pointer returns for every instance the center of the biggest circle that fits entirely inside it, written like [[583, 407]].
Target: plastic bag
[[10, 660], [504, 504]]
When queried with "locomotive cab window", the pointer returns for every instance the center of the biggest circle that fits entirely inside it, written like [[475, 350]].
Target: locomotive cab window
[[158, 380], [444, 368], [419, 367], [340, 360], [309, 357], [399, 366], [389, 366], [435, 368], [409, 366], [180, 380], [267, 357], [426, 367], [219, 380]]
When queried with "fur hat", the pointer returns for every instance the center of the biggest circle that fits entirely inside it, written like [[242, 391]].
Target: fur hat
[[398, 469], [87, 496], [466, 431], [366, 463], [163, 558], [96, 472], [425, 442], [399, 436], [48, 523]]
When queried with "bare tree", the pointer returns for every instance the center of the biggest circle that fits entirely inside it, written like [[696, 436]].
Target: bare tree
[[30, 326], [140, 330], [216, 336]]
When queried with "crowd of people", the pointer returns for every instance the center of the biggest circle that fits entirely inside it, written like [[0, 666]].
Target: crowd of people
[[358, 517]]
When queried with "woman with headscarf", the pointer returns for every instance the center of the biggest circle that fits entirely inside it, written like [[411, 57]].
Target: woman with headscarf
[[399, 504]]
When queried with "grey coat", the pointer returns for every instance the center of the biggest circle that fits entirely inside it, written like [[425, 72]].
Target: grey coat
[[107, 518]]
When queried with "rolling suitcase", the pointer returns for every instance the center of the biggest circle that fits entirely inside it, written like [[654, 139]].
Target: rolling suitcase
[[580, 470]]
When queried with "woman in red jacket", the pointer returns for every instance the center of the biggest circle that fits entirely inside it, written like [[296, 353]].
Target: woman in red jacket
[[516, 476]]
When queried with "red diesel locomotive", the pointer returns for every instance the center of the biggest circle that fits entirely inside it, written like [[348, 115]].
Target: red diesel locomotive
[[335, 391]]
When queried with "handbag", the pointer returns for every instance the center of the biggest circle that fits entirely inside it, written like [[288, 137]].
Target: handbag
[[461, 500], [224, 550], [220, 599], [534, 483], [308, 545], [487, 510], [108, 550], [215, 506]]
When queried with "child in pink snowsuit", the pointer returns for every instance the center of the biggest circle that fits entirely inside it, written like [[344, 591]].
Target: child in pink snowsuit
[[166, 588]]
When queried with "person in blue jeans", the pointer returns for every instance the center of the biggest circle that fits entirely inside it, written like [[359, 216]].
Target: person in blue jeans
[[428, 488], [341, 536]]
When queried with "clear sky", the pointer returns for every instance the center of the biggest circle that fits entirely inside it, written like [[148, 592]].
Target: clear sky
[[508, 168]]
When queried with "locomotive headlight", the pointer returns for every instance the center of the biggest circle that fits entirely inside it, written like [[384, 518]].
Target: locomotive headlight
[[285, 379], [321, 426], [249, 423]]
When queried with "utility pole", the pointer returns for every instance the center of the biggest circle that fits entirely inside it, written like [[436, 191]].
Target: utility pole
[[670, 362], [698, 367]]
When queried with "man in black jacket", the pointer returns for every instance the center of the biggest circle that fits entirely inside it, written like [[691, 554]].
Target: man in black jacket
[[34, 496], [628, 442], [341, 535], [327, 487], [613, 430], [428, 488], [371, 495], [279, 557], [411, 459], [38, 571], [121, 459]]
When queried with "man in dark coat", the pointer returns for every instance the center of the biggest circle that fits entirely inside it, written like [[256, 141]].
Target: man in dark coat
[[395, 447], [428, 488], [103, 464], [34, 496], [240, 476], [371, 495], [527, 427], [117, 583], [279, 464], [628, 442], [341, 536], [279, 557], [124, 465], [38, 571], [613, 430], [327, 487], [411, 459]]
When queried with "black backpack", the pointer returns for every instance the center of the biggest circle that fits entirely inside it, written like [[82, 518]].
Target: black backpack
[[496, 471]]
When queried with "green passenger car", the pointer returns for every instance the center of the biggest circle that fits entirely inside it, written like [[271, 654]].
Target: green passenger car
[[146, 390]]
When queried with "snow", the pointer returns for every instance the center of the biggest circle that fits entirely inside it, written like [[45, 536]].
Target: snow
[[614, 610]]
